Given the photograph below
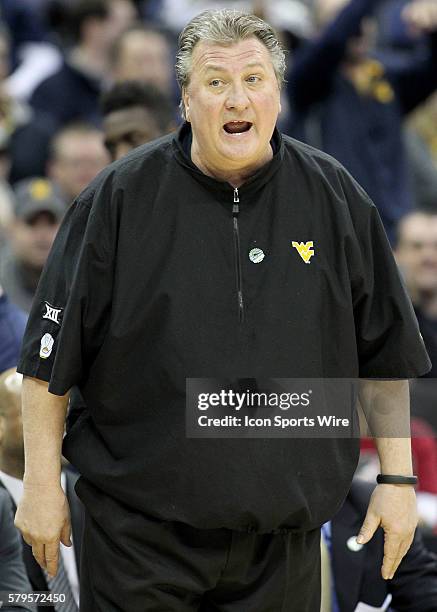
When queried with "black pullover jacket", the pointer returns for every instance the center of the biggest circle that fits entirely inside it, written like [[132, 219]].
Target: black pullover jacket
[[152, 282]]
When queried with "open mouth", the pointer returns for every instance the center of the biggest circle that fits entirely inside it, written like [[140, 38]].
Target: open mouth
[[237, 127]]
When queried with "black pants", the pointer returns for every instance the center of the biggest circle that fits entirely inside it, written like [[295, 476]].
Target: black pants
[[132, 563]]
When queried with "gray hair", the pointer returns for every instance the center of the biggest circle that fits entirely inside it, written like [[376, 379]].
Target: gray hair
[[225, 26]]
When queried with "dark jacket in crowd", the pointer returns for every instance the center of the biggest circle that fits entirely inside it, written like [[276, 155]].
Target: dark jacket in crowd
[[37, 579], [12, 325], [13, 578], [69, 95], [364, 132]]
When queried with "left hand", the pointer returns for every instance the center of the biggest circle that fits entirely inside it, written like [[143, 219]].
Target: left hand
[[393, 507]]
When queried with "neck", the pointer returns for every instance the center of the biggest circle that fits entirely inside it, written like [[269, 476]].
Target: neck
[[12, 466], [427, 303], [89, 59], [236, 177]]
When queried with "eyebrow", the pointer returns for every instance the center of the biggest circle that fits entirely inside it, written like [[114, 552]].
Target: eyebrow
[[216, 68]]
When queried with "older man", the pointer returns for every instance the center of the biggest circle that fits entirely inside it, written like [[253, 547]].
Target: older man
[[225, 251]]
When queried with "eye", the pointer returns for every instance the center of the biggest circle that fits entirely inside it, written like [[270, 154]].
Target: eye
[[216, 83], [253, 78]]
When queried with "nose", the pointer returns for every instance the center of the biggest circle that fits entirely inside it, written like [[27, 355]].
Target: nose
[[237, 98]]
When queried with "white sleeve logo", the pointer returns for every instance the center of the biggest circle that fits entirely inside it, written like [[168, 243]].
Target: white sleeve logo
[[47, 342], [52, 313]]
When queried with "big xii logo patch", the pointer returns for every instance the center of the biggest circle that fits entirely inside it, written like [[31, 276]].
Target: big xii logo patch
[[305, 250], [52, 313]]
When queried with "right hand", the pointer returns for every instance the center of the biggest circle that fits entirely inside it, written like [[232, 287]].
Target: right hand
[[43, 517]]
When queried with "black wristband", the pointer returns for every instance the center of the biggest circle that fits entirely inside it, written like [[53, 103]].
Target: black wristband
[[396, 479]]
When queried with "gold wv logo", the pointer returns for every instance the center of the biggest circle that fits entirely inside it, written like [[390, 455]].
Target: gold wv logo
[[305, 250]]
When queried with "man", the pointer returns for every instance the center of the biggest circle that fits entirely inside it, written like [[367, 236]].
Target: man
[[72, 93], [77, 154], [416, 254], [352, 106], [134, 113], [11, 479], [33, 55], [143, 54], [37, 215], [355, 573], [13, 578], [178, 263], [25, 134]]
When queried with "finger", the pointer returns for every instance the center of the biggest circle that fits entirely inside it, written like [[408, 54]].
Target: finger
[[403, 549], [368, 528], [66, 534], [38, 553], [392, 547], [51, 558]]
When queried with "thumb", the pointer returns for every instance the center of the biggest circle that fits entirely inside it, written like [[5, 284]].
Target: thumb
[[66, 534], [368, 528]]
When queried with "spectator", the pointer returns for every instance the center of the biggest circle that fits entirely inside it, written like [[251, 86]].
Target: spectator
[[352, 106], [423, 171], [13, 577], [37, 215], [11, 478], [416, 254], [12, 325], [134, 113], [24, 133], [143, 54], [72, 93], [355, 568], [33, 57], [77, 155]]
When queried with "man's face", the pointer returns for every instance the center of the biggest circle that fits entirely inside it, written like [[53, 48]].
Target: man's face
[[78, 159], [145, 57], [122, 14], [32, 239], [359, 46], [232, 101], [127, 128], [416, 252], [104, 32]]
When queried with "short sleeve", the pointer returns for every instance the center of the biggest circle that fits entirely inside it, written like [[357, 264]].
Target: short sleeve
[[71, 309], [389, 343]]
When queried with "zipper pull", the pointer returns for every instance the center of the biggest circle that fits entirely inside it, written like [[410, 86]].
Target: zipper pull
[[236, 207]]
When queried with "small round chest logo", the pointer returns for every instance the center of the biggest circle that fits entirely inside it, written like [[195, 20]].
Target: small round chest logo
[[256, 255]]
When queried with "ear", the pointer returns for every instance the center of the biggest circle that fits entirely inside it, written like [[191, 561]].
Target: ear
[[186, 100]]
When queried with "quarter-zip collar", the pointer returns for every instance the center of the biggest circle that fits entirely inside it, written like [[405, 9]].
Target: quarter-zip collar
[[253, 184]]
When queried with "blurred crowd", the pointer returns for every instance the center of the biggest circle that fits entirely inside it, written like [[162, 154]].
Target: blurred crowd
[[82, 82]]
